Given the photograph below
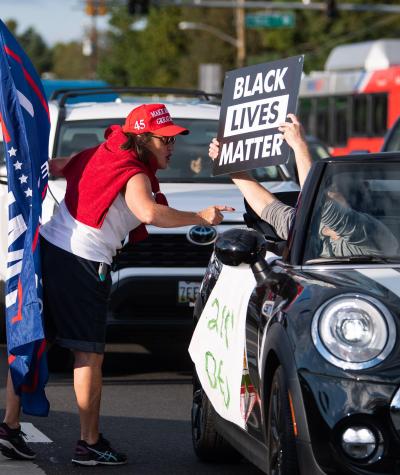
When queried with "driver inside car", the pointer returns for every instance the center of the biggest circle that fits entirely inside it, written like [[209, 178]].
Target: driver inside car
[[343, 231], [346, 232]]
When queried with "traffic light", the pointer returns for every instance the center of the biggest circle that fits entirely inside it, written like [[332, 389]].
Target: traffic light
[[102, 8], [95, 7], [331, 9], [138, 7], [90, 8]]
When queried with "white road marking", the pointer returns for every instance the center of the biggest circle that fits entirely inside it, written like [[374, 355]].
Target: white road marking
[[19, 467], [33, 435], [22, 467]]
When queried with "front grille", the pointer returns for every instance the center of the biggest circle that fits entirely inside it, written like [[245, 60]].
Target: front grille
[[163, 250]]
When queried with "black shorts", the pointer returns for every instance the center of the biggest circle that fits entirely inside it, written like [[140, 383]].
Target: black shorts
[[75, 300]]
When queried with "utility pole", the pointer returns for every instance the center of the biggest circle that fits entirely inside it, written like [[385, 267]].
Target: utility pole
[[240, 34], [93, 8]]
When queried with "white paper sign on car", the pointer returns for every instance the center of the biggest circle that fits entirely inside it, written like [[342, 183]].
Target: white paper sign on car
[[218, 341]]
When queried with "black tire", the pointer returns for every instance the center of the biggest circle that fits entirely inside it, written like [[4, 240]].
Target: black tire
[[208, 445], [282, 458]]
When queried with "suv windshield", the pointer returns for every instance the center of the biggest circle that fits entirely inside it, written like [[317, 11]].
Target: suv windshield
[[356, 214], [189, 162]]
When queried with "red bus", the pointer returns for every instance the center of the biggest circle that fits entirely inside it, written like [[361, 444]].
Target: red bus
[[356, 99]]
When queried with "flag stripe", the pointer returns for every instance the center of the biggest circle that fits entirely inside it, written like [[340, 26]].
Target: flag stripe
[[15, 255], [6, 135], [18, 317], [25, 103], [33, 387], [29, 79], [35, 239], [11, 298]]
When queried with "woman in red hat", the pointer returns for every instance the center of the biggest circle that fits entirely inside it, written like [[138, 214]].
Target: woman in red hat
[[112, 191]]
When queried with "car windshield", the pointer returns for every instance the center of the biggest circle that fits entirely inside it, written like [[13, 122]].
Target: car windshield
[[356, 215], [189, 162]]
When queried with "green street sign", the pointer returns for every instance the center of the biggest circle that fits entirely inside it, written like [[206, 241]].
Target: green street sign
[[270, 20]]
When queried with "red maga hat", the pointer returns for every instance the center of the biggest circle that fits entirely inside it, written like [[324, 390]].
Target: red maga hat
[[152, 118]]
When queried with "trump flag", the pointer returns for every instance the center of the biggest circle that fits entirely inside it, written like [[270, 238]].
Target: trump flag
[[25, 122]]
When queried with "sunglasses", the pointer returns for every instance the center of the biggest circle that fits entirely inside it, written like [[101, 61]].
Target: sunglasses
[[165, 140]]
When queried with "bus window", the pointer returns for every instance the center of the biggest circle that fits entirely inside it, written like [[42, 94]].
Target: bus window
[[322, 119], [340, 106], [379, 115], [360, 115], [305, 114]]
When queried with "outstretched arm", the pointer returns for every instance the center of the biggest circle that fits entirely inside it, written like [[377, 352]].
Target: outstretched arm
[[256, 195], [140, 201], [294, 136]]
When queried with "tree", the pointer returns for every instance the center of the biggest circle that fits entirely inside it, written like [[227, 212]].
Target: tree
[[36, 49], [121, 50], [69, 62], [164, 55], [34, 46], [146, 58]]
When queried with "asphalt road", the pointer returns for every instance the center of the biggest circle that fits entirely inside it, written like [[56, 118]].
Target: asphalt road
[[145, 413]]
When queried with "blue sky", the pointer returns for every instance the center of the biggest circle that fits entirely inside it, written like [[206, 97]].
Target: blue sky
[[55, 20]]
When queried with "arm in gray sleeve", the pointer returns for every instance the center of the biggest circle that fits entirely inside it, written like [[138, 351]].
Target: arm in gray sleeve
[[280, 217], [358, 228], [347, 223]]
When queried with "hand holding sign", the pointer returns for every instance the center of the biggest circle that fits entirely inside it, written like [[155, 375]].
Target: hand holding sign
[[255, 102], [292, 132], [213, 150]]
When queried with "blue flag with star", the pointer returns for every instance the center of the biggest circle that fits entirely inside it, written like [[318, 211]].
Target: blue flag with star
[[25, 123]]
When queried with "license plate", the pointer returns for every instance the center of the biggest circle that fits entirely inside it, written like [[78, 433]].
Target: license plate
[[187, 292]]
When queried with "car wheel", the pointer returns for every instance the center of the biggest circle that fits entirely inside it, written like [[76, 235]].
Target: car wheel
[[280, 433], [208, 445]]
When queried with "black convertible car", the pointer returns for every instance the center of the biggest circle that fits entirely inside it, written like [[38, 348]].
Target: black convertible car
[[322, 329]]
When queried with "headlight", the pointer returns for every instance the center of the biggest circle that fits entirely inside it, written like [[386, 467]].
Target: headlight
[[353, 331]]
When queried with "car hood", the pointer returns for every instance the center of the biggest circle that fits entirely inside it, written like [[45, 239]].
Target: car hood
[[195, 197], [187, 196], [379, 281]]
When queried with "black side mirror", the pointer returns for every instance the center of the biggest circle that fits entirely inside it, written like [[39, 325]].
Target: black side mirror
[[240, 246], [245, 246]]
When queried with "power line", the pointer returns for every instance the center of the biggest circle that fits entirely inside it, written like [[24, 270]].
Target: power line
[[327, 45], [319, 6]]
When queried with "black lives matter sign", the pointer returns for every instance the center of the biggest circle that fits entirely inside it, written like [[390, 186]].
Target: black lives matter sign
[[255, 101]]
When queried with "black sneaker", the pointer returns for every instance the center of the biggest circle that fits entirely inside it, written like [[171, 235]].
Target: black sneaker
[[13, 445], [100, 453]]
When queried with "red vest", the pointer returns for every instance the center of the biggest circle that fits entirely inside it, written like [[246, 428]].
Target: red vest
[[96, 175]]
